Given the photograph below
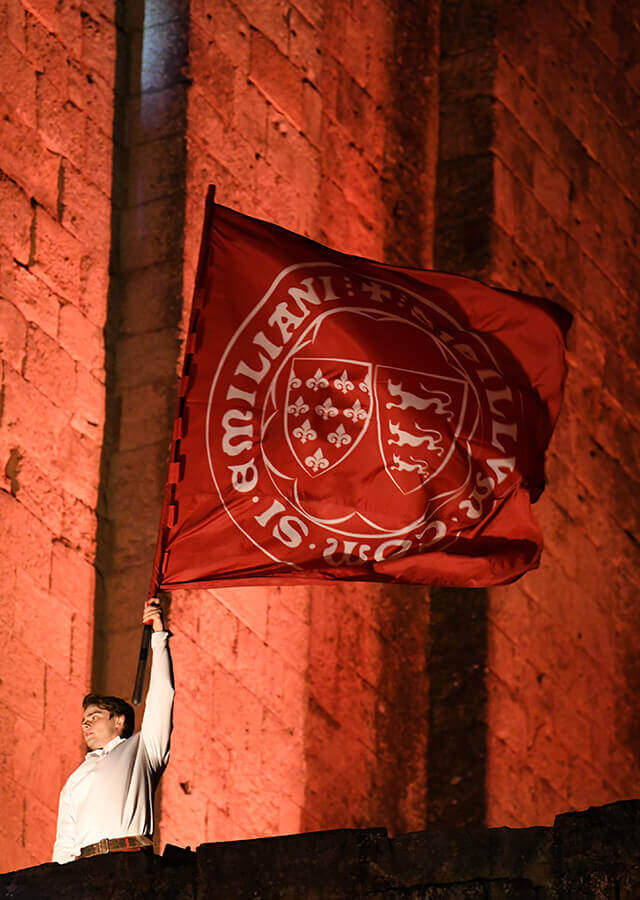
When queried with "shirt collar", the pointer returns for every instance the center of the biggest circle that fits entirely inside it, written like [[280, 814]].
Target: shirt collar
[[102, 751]]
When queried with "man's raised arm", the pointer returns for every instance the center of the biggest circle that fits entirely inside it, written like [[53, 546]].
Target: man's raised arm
[[157, 720]]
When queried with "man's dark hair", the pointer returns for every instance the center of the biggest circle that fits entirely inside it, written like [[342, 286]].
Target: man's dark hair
[[115, 706]]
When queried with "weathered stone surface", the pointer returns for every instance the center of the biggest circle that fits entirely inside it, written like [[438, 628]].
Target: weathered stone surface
[[323, 117], [592, 854]]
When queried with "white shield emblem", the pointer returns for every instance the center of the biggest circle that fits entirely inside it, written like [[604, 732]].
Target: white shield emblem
[[419, 418], [328, 409]]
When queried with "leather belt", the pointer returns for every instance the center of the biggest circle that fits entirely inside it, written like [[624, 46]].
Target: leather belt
[[109, 845]]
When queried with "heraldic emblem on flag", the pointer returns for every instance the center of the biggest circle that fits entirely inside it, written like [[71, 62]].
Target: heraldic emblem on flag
[[343, 419]]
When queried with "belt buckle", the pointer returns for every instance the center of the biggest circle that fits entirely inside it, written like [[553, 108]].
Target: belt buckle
[[103, 845]]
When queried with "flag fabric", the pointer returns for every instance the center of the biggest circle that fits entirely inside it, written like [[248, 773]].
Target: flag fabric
[[344, 419]]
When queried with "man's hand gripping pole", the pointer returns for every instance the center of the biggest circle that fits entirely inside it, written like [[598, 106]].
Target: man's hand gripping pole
[[152, 621]]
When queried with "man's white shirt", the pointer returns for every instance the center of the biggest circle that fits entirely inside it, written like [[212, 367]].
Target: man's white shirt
[[110, 794]]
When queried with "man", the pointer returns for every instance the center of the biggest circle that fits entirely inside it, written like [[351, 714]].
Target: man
[[106, 805]]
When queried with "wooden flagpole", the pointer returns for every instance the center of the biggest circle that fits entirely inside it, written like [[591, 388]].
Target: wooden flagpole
[[145, 641]]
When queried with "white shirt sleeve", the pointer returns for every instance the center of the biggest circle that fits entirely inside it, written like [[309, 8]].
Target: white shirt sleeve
[[157, 720], [64, 849]]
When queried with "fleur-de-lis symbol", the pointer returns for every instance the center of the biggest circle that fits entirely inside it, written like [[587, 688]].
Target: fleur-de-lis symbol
[[339, 436], [364, 385], [298, 408], [294, 381], [305, 432], [342, 383], [326, 410], [317, 461], [356, 412], [317, 381]]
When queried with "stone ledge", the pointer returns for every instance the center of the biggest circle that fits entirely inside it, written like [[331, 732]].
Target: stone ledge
[[595, 853]]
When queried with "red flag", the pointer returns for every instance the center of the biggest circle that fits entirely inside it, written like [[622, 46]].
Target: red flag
[[344, 419]]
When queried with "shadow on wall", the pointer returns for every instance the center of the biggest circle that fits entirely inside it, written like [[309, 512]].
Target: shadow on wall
[[395, 731]]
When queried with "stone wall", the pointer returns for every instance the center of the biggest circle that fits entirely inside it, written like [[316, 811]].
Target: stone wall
[[486, 138], [563, 660], [305, 707], [56, 82], [585, 855]]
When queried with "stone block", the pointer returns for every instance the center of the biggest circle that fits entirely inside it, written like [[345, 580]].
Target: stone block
[[467, 27], [271, 20], [50, 368], [94, 287], [22, 682], [197, 667], [288, 634], [14, 23], [99, 45], [88, 405], [13, 818], [312, 114], [91, 93], [28, 294], [150, 234], [26, 541], [86, 211], [11, 848], [98, 154], [60, 122], [597, 838], [268, 182], [189, 804], [216, 73], [79, 523], [357, 709], [80, 668], [237, 717], [228, 26], [18, 216], [276, 77], [141, 875], [275, 866], [136, 481], [13, 335], [216, 628], [144, 418], [18, 84], [81, 338], [64, 704], [165, 54], [251, 115], [154, 116], [253, 801], [467, 75], [43, 624], [39, 826], [163, 161], [232, 150], [152, 299], [64, 20], [78, 459], [35, 486], [282, 749], [32, 767], [250, 605], [290, 821], [44, 50], [57, 257], [617, 433], [259, 668], [305, 44], [72, 578]]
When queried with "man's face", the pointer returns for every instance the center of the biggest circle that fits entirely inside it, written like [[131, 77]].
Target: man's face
[[99, 727]]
